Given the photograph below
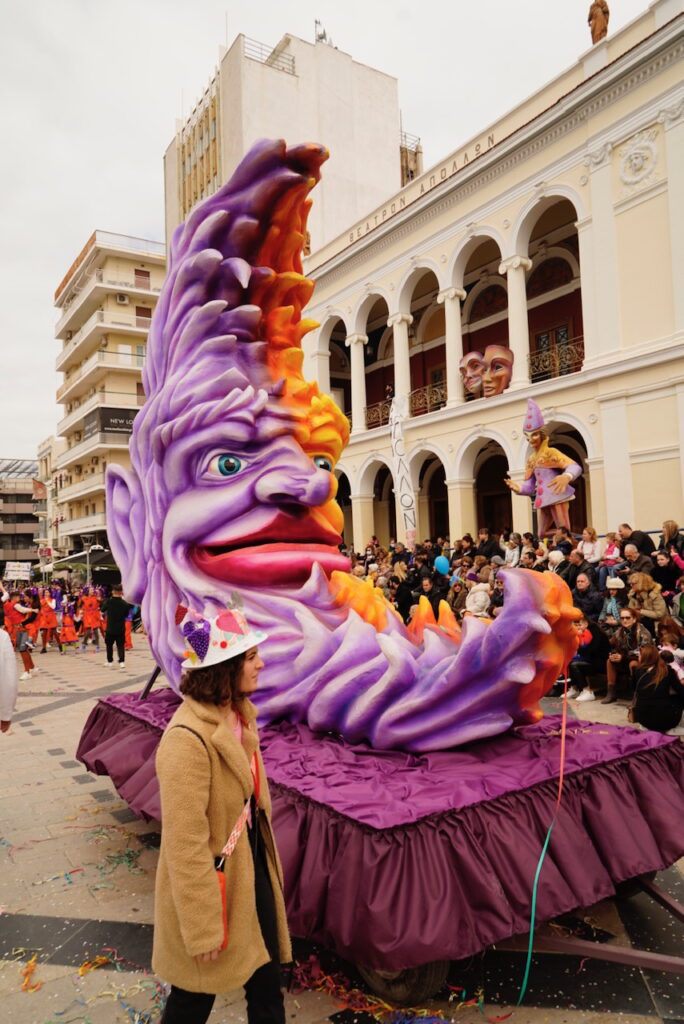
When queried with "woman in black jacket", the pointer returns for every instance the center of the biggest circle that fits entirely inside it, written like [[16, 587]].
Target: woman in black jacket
[[658, 694]]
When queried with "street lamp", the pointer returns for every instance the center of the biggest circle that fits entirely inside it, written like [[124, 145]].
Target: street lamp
[[88, 547]]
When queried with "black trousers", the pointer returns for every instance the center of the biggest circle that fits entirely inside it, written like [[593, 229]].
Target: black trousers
[[579, 670], [265, 1004], [118, 639]]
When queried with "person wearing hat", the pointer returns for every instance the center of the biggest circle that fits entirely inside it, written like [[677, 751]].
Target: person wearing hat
[[548, 475], [478, 600], [216, 814], [615, 598]]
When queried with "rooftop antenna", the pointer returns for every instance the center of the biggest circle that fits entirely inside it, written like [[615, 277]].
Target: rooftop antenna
[[320, 35]]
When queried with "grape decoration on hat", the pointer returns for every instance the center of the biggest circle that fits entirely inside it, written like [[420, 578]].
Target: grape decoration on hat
[[212, 639]]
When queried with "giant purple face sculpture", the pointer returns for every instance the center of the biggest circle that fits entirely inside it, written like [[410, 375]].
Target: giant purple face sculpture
[[231, 493]]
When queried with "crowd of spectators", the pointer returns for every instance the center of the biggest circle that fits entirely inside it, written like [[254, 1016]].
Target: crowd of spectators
[[628, 587]]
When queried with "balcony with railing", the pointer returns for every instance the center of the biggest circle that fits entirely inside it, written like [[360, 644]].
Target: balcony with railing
[[100, 440], [113, 399], [90, 484], [273, 57], [97, 366], [421, 401], [101, 322], [84, 524], [377, 414], [428, 399], [557, 359]]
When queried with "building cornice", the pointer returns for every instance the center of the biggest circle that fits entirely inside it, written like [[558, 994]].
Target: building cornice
[[647, 59]]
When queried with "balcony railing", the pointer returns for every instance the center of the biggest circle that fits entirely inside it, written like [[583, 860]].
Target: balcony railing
[[109, 319], [377, 415], [268, 55], [98, 440], [85, 524], [115, 360], [428, 399], [138, 285], [558, 360], [93, 482]]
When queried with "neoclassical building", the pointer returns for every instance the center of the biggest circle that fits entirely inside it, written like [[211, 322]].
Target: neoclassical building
[[558, 235]]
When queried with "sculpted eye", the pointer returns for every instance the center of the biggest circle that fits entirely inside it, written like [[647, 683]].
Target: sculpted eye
[[225, 465], [323, 462]]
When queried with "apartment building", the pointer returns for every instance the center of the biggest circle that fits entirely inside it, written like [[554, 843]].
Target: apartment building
[[105, 303], [549, 246], [301, 92], [18, 520], [47, 534]]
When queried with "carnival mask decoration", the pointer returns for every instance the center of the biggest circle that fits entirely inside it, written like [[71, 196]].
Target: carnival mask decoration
[[232, 490], [489, 373]]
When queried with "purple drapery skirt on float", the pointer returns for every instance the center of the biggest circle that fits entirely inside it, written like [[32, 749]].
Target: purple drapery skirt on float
[[394, 859]]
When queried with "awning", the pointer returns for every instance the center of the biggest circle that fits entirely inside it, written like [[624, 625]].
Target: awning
[[98, 560]]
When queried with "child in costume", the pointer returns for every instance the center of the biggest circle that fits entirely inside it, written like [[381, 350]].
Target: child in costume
[[47, 620], [67, 634]]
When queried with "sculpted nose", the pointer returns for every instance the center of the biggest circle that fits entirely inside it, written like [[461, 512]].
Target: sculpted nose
[[303, 484]]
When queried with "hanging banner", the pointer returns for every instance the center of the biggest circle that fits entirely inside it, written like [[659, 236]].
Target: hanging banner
[[406, 502]]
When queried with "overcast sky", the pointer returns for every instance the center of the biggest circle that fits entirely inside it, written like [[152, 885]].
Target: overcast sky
[[90, 94]]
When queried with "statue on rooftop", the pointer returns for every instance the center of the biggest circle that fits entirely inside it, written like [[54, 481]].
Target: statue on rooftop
[[599, 13]]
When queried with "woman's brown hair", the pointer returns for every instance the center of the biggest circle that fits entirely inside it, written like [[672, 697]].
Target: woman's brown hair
[[215, 684], [650, 658], [670, 530]]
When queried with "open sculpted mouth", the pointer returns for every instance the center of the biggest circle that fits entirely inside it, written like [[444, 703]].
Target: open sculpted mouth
[[280, 554]]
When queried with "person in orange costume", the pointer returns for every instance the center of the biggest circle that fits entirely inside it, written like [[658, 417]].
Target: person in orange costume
[[92, 618], [67, 634], [47, 620]]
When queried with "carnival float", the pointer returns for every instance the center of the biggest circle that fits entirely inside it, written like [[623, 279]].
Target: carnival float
[[413, 777]]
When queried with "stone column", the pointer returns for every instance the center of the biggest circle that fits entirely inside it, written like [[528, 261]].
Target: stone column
[[399, 322], [462, 508], [316, 362], [672, 120], [515, 268], [452, 299], [355, 343], [599, 262], [363, 522]]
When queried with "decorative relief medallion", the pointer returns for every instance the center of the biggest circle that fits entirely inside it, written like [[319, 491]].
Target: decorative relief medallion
[[638, 160]]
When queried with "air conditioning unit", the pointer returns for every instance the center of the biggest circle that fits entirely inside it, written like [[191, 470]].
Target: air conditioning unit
[[122, 299], [104, 341], [69, 335], [77, 469]]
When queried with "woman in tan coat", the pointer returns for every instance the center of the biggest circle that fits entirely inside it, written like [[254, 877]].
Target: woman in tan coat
[[213, 786], [645, 594]]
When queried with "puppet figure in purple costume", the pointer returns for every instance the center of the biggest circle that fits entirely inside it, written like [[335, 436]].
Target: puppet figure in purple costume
[[231, 498]]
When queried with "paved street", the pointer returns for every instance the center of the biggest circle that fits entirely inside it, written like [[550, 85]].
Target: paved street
[[78, 875]]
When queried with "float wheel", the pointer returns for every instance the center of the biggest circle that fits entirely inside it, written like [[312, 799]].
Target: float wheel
[[410, 986]]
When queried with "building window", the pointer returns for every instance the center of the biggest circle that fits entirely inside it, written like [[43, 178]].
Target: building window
[[142, 278]]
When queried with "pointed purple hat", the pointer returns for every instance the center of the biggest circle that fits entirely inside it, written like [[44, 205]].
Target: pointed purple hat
[[533, 417]]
